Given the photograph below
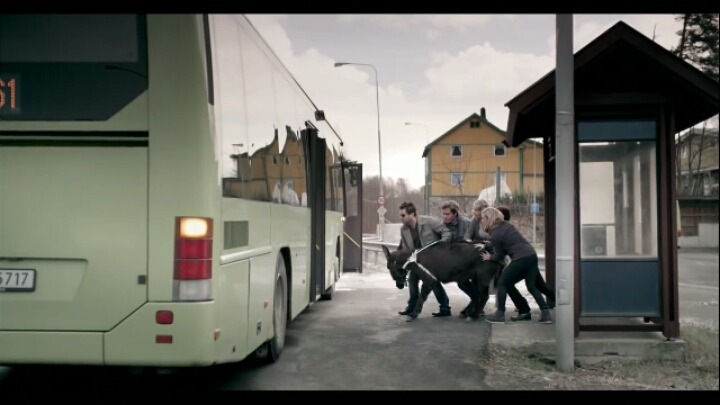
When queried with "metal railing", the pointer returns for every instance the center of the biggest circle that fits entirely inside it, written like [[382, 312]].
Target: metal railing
[[372, 249]]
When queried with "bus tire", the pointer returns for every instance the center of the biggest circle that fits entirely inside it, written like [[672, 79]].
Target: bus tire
[[270, 351]]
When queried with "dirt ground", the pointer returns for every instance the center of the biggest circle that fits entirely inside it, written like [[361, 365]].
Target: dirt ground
[[698, 371]]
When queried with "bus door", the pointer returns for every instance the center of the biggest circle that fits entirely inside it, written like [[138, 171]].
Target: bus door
[[315, 147], [352, 232]]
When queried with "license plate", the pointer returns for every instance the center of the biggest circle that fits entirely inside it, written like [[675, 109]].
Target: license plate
[[20, 280]]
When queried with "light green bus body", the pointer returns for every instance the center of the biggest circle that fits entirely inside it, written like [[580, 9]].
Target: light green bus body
[[97, 223]]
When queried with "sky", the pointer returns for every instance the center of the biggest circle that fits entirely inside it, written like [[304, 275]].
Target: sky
[[433, 71]]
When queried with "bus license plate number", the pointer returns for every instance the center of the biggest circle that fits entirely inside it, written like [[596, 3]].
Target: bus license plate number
[[19, 280]]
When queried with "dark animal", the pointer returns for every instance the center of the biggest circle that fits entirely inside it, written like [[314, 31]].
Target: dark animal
[[443, 262], [486, 246]]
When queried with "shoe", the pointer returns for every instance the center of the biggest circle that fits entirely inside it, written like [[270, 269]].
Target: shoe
[[545, 316], [405, 311], [441, 313], [521, 317], [497, 317], [551, 304]]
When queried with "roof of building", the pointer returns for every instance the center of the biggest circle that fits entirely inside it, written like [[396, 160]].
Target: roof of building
[[620, 66], [474, 116]]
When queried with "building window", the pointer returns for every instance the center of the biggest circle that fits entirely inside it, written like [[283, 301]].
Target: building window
[[499, 150], [474, 124], [456, 150], [456, 179]]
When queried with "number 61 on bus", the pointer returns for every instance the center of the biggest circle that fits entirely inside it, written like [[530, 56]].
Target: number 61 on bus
[[9, 100]]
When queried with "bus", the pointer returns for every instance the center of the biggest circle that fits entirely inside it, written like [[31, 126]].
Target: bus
[[170, 196]]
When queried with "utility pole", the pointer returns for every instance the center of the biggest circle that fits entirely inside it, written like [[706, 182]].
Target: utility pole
[[565, 194]]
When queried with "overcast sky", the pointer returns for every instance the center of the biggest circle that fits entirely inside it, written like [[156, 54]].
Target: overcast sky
[[433, 70]]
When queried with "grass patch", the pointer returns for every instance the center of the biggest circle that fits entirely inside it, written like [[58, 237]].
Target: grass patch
[[518, 369]]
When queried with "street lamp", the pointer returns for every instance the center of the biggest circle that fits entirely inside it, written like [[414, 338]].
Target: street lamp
[[427, 141], [381, 216]]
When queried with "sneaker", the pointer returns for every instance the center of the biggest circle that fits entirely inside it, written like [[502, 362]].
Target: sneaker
[[545, 317], [497, 317], [441, 313], [406, 311], [521, 317]]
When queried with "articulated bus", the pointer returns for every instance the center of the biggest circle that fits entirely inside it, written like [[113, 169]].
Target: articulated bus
[[166, 196]]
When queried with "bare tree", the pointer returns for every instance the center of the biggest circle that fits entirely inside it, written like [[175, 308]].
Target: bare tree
[[396, 192], [458, 168], [699, 42], [695, 149]]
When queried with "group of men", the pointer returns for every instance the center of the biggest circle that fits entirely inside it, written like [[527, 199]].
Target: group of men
[[421, 230]]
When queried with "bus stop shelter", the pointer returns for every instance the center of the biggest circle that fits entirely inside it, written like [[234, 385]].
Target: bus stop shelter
[[632, 97]]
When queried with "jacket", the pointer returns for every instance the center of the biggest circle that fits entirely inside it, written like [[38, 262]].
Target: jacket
[[459, 228], [430, 229], [475, 233]]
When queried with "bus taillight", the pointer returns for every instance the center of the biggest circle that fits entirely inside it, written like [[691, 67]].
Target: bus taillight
[[193, 259], [194, 248], [193, 269]]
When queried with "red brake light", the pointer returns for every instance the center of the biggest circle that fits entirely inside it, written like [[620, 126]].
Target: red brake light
[[164, 317], [163, 339], [193, 269], [194, 248]]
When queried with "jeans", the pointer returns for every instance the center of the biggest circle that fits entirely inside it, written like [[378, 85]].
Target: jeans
[[544, 288], [541, 285], [525, 268], [438, 291]]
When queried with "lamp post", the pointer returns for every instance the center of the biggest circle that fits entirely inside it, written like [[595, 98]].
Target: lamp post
[[381, 216], [427, 141]]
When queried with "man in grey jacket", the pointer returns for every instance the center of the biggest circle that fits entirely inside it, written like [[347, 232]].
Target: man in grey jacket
[[475, 233], [457, 223], [419, 231]]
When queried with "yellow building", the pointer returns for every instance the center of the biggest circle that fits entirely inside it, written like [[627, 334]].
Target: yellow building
[[464, 160]]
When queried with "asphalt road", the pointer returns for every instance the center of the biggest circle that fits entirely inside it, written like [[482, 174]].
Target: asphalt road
[[698, 288], [356, 341]]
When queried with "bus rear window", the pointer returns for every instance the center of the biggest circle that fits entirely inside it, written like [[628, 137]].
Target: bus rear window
[[70, 67]]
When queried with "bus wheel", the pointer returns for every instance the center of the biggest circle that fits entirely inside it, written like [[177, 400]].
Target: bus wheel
[[271, 350]]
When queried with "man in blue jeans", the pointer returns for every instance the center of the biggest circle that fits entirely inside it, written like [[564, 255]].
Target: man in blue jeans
[[419, 231]]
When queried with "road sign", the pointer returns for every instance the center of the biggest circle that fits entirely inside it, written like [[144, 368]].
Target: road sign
[[382, 210], [381, 200]]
